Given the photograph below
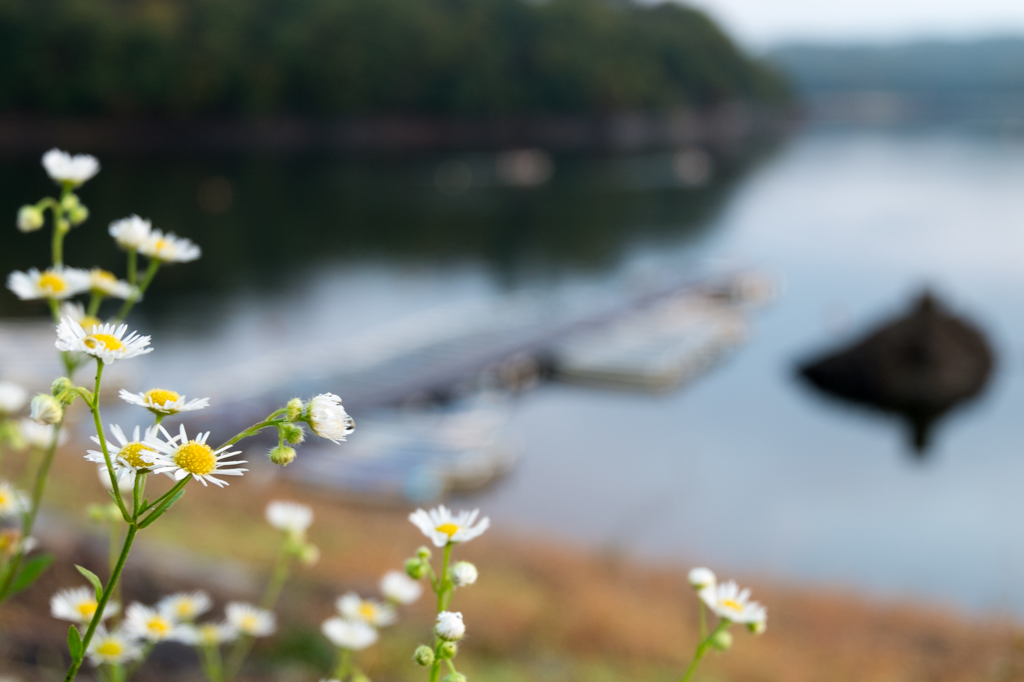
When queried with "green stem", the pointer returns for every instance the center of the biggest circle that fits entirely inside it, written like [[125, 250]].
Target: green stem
[[112, 553], [344, 667], [214, 666], [443, 587], [254, 429], [95, 408], [94, 304], [104, 598], [166, 497], [154, 265], [702, 649]]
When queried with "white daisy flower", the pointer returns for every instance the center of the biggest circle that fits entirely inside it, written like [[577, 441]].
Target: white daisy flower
[[40, 435], [250, 620], [727, 601], [449, 626], [463, 574], [74, 170], [12, 501], [291, 517], [78, 604], [149, 623], [354, 635], [128, 456], [400, 588], [169, 248], [700, 578], [353, 607], [162, 401], [206, 634], [76, 311], [183, 607], [12, 397], [113, 648], [180, 457], [106, 342], [442, 527], [130, 233], [54, 283], [328, 418], [108, 284]]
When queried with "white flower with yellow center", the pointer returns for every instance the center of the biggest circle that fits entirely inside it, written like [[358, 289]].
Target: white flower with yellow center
[[180, 457], [40, 435], [106, 342], [149, 623], [113, 648], [449, 626], [76, 311], [106, 283], [169, 248], [12, 501], [162, 401], [130, 233], [291, 517], [183, 607], [328, 418], [353, 607], [78, 604], [128, 456], [206, 634], [57, 283], [728, 602], [12, 397], [354, 635], [399, 588], [74, 170], [250, 620], [443, 527]]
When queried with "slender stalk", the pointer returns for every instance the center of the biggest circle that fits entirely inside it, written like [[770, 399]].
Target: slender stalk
[[344, 667], [133, 266], [95, 408], [252, 430], [104, 598], [113, 553], [213, 664], [702, 649], [94, 303], [443, 587], [154, 265]]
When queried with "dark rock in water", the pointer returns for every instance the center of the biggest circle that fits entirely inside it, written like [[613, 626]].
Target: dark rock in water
[[920, 366]]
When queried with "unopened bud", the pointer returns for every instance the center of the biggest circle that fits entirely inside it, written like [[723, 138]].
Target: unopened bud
[[294, 409], [455, 677], [78, 215], [449, 626], [293, 433], [70, 201], [46, 409], [415, 568], [62, 390], [463, 573], [423, 553], [757, 627], [309, 554], [424, 655], [282, 455], [701, 578], [448, 650], [30, 218], [721, 640]]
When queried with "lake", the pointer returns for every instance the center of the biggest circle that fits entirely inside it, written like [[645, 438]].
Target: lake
[[747, 469]]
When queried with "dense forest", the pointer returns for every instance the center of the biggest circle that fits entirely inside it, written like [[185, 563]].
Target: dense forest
[[183, 59]]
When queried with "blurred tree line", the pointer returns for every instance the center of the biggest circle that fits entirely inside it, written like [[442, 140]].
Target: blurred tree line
[[201, 58]]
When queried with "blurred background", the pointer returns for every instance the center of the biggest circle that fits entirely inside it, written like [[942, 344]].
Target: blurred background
[[734, 282]]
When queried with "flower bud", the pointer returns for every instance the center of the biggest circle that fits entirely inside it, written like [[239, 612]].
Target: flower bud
[[294, 409], [62, 390], [309, 554], [757, 627], [424, 655], [70, 201], [30, 218], [448, 650], [78, 215], [721, 640], [293, 433], [282, 455], [46, 409], [701, 578], [415, 568], [423, 553], [449, 626], [455, 677], [463, 573]]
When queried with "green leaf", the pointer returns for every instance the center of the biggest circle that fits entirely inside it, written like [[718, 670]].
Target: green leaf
[[30, 571], [91, 577], [163, 508], [75, 643]]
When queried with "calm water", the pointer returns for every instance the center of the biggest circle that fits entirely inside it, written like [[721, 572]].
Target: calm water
[[746, 470]]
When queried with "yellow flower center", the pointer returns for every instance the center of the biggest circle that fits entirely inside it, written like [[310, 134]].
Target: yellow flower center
[[87, 608], [5, 499], [159, 396], [161, 244], [448, 529], [367, 610], [9, 541], [102, 278], [109, 648], [185, 610], [51, 283], [247, 623], [158, 626], [88, 322], [195, 458], [209, 634], [132, 453], [108, 341], [731, 604]]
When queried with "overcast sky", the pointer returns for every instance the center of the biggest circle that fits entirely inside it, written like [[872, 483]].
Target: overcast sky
[[764, 23]]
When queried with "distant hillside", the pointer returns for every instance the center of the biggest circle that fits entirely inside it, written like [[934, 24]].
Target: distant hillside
[[186, 59]]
